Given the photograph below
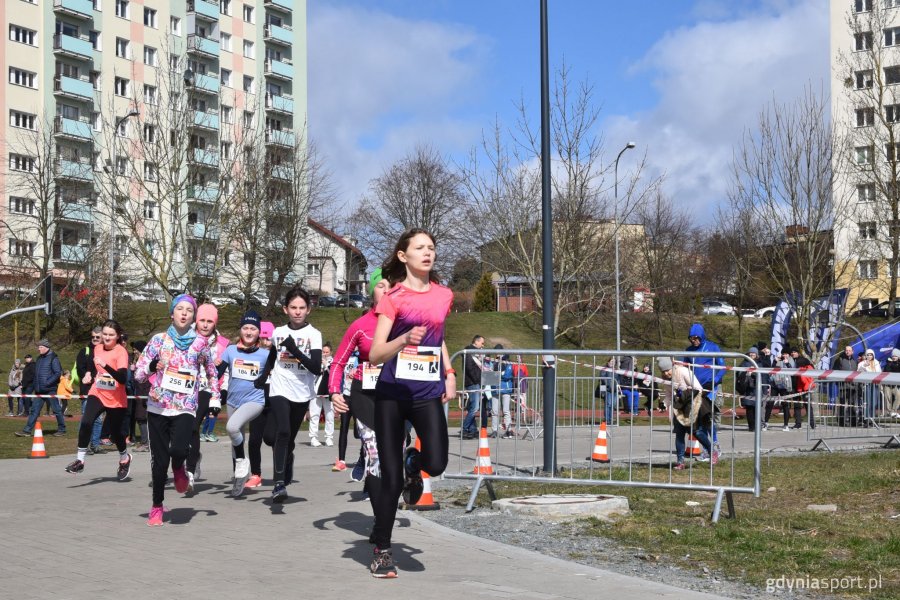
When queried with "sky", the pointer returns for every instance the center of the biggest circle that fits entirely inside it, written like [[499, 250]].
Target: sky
[[683, 79]]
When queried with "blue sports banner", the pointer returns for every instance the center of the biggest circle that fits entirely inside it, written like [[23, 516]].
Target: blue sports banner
[[781, 320], [882, 340], [824, 316]]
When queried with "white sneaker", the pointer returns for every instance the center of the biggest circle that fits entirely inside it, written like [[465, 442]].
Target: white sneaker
[[314, 442], [785, 428], [895, 415], [242, 468], [190, 482], [329, 442]]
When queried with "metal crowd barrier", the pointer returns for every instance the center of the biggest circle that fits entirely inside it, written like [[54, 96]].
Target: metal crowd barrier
[[641, 445], [845, 409]]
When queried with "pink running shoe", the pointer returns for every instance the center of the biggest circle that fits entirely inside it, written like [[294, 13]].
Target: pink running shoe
[[254, 482], [339, 465], [181, 480], [156, 515]]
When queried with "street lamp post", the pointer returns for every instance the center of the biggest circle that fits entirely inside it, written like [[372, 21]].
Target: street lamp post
[[112, 215], [628, 146]]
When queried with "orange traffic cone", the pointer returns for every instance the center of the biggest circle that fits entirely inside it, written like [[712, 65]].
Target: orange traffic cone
[[483, 460], [601, 452], [694, 448], [426, 502], [37, 446]]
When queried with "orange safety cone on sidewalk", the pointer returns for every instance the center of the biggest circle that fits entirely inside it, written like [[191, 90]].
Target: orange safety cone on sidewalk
[[37, 446], [694, 448], [426, 501], [483, 459], [601, 450]]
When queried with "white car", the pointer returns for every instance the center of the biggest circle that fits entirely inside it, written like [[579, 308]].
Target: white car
[[764, 313], [717, 307]]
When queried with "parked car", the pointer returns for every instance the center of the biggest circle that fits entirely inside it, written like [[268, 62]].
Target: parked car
[[353, 300], [717, 307], [879, 310], [765, 312], [327, 301], [135, 296], [221, 300]]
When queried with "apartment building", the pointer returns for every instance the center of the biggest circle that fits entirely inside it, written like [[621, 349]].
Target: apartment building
[[127, 124]]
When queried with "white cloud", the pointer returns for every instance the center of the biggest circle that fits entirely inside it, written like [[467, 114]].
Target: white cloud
[[713, 80], [379, 84]]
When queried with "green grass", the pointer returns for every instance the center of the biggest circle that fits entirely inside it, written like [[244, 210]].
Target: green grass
[[774, 535]]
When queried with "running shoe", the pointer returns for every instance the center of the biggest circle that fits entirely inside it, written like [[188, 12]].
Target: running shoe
[[76, 466], [715, 457], [279, 493], [241, 473], [329, 442], [254, 482], [156, 516], [181, 480], [413, 487], [314, 442], [212, 438], [190, 487], [106, 442], [359, 471], [22, 433], [382, 565], [679, 466], [124, 468], [339, 465]]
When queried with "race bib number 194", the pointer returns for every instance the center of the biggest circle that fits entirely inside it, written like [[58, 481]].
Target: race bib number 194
[[419, 363]]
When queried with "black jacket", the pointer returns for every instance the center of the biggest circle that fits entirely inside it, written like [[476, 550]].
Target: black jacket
[[472, 369], [842, 362], [84, 364], [28, 378]]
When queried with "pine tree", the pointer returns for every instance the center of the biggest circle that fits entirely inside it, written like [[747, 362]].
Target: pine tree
[[485, 300]]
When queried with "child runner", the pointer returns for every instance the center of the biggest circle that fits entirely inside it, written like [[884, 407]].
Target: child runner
[[244, 362], [106, 394], [258, 425], [295, 360], [414, 383], [172, 361], [361, 404], [322, 403]]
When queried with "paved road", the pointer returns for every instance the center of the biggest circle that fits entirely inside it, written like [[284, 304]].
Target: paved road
[[84, 538]]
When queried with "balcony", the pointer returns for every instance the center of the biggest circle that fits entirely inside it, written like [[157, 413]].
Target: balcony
[[205, 269], [200, 193], [70, 254], [279, 70], [73, 47], [280, 104], [283, 5], [200, 231], [290, 278], [283, 172], [206, 84], [204, 9], [206, 46], [78, 89], [80, 9], [280, 137], [74, 170], [71, 129], [205, 157], [78, 213], [279, 34], [206, 120]]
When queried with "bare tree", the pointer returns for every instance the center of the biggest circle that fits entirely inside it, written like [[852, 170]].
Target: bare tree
[[786, 187]]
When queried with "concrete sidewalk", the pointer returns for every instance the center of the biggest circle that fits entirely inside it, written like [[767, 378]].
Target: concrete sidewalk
[[84, 537]]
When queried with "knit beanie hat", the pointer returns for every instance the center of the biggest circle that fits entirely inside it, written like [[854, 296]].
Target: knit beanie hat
[[251, 318], [374, 278], [266, 329], [182, 298], [664, 363], [208, 311], [752, 350]]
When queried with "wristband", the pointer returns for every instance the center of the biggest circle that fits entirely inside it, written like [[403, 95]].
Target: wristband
[[450, 372]]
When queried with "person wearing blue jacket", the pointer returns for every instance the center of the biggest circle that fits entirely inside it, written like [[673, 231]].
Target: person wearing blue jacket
[[709, 378], [47, 372], [506, 392]]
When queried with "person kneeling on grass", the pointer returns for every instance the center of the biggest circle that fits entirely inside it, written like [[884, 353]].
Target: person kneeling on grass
[[692, 409]]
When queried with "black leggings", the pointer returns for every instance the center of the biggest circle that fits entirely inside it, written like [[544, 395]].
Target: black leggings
[[114, 416], [343, 435], [169, 441], [203, 399], [257, 428], [287, 417], [427, 417]]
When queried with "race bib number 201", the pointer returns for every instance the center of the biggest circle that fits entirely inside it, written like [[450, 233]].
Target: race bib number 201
[[419, 363]]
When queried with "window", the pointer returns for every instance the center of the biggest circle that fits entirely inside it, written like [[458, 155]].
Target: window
[[312, 269], [22, 35], [864, 155], [863, 41], [248, 49], [121, 87], [67, 70], [227, 114], [248, 14], [865, 117], [122, 129], [22, 206], [22, 120], [867, 230], [96, 121], [94, 78], [121, 165], [867, 303], [122, 48], [865, 192], [20, 162], [225, 149], [892, 151], [150, 172], [150, 18], [122, 8], [20, 248], [149, 209], [892, 36], [891, 3], [149, 56], [868, 269], [248, 84], [175, 25], [862, 5], [149, 133], [864, 79], [226, 77], [22, 77], [95, 38], [225, 7], [225, 41], [248, 119], [150, 94], [891, 75], [246, 260], [173, 63]]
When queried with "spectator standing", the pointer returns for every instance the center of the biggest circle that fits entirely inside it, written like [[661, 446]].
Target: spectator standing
[[86, 372], [64, 391], [870, 390], [473, 366], [783, 386], [15, 385], [27, 385], [709, 377], [47, 372], [745, 384], [892, 392], [691, 408], [802, 385], [847, 398]]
